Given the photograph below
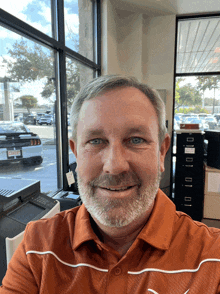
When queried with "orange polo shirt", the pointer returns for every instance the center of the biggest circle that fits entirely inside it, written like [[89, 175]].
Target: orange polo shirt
[[172, 254]]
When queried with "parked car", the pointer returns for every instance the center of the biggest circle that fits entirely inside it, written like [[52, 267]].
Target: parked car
[[31, 119], [203, 115], [185, 117], [39, 115], [19, 117], [217, 116], [19, 144], [211, 121], [202, 124], [46, 119]]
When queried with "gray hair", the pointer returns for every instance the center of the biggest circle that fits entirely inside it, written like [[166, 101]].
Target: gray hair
[[105, 83]]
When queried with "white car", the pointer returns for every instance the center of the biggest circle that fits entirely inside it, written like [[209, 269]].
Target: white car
[[46, 119], [19, 144]]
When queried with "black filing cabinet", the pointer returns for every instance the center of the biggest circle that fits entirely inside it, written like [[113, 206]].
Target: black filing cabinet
[[189, 176]]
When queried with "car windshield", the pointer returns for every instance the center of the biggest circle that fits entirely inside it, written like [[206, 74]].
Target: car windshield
[[210, 119], [12, 128]]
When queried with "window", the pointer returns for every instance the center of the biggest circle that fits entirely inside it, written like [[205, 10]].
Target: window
[[197, 75], [49, 49]]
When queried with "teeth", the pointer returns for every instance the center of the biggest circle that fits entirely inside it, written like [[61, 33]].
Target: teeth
[[119, 189]]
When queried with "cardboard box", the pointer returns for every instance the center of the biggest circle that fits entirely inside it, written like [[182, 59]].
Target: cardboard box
[[211, 207], [212, 181], [189, 126], [212, 193]]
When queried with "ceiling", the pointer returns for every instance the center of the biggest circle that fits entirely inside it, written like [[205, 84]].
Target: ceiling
[[198, 42], [198, 45], [165, 7]]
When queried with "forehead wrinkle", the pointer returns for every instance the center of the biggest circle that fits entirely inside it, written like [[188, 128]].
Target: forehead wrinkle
[[142, 129]]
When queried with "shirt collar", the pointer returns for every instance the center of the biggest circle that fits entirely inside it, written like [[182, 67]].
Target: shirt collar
[[159, 227], [83, 230], [157, 232]]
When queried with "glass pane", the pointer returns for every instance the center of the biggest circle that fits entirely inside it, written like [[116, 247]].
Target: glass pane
[[27, 123], [197, 101], [35, 13], [77, 76], [198, 47], [79, 26]]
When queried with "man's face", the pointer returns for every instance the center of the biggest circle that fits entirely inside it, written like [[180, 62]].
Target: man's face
[[119, 160]]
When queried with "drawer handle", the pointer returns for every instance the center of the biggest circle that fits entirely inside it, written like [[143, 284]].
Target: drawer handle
[[188, 179], [190, 139], [188, 165], [188, 198], [189, 159], [188, 205], [189, 186]]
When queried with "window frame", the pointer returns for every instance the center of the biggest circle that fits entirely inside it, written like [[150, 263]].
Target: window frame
[[57, 43], [179, 18]]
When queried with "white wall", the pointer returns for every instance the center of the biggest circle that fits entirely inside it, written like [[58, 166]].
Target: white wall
[[142, 46]]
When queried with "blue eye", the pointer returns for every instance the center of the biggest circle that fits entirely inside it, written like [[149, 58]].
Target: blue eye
[[136, 140], [95, 141]]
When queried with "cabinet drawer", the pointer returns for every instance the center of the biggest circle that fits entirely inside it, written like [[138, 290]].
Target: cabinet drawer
[[190, 150], [189, 158], [189, 169], [190, 138], [189, 181]]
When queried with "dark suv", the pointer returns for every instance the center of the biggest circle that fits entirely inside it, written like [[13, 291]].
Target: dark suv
[[31, 119]]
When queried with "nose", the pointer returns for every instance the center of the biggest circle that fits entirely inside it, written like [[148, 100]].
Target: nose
[[115, 159]]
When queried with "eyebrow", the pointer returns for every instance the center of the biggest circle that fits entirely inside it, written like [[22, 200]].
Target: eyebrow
[[100, 132]]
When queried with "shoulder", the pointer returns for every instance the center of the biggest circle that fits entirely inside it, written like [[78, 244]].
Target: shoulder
[[196, 235], [48, 233]]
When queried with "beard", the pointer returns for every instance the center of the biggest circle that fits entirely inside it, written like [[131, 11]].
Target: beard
[[119, 212]]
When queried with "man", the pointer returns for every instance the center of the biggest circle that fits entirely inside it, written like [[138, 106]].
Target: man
[[127, 236]]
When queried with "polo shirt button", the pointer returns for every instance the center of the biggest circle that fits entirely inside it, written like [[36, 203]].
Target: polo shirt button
[[117, 271]]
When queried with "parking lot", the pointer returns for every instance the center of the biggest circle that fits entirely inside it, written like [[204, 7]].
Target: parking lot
[[46, 173]]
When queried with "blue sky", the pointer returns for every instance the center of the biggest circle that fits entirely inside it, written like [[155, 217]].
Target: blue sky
[[37, 14]]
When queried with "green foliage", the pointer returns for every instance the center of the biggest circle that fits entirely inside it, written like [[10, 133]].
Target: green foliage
[[187, 95], [196, 109], [30, 63], [28, 101], [209, 82]]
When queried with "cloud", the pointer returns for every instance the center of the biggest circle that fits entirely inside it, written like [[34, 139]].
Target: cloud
[[45, 11], [5, 33], [71, 21], [16, 7]]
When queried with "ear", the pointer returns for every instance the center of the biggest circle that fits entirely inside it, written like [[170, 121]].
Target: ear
[[73, 146], [163, 151]]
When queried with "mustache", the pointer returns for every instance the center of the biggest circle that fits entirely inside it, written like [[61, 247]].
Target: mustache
[[123, 179]]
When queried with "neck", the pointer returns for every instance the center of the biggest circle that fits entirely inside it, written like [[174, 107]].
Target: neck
[[121, 238]]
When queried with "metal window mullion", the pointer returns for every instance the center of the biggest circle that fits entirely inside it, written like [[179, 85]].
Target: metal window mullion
[[97, 35], [72, 54], [63, 151], [18, 26]]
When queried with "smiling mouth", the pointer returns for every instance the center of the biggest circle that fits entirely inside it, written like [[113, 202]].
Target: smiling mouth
[[118, 189]]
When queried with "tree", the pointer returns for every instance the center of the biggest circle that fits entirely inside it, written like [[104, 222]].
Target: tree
[[209, 82], [28, 101], [187, 96], [30, 63], [201, 87]]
